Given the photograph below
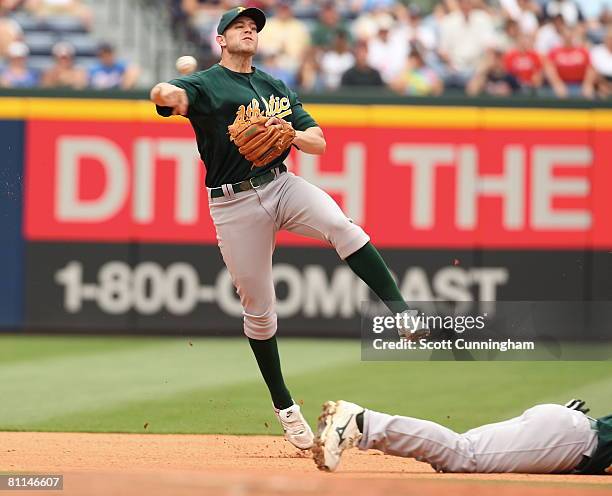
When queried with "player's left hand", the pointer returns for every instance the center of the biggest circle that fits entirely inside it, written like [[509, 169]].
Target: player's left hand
[[578, 405]]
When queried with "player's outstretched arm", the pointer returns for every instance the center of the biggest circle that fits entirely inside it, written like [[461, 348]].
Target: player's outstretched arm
[[168, 95]]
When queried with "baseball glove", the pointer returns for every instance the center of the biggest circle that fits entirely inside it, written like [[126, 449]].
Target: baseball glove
[[256, 142]]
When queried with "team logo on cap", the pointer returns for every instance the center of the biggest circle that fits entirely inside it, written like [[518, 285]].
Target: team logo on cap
[[240, 9]]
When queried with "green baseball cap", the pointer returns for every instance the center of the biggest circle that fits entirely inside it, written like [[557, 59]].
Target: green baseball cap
[[228, 17]]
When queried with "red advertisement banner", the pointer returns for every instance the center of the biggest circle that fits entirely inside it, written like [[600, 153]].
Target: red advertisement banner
[[408, 187]]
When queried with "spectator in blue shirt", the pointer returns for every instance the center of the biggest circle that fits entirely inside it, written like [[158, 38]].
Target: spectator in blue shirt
[[17, 74], [111, 73]]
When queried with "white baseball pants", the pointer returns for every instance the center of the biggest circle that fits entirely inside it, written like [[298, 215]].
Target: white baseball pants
[[247, 224], [544, 439]]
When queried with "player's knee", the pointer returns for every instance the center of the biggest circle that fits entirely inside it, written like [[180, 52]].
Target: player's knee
[[347, 238], [339, 225], [339, 228], [261, 326]]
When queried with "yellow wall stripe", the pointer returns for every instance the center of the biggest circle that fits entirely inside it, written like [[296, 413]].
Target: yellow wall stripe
[[338, 115], [529, 118], [602, 120], [13, 108], [329, 115], [80, 109]]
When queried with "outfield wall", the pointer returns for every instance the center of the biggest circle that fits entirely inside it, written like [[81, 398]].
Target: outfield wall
[[476, 202]]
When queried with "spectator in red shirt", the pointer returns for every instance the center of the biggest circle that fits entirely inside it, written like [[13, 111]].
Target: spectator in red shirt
[[566, 66], [524, 63]]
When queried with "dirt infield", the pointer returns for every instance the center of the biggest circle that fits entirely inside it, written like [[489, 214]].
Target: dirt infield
[[186, 465]]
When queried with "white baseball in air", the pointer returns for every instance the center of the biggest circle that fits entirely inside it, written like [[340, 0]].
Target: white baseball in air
[[186, 64]]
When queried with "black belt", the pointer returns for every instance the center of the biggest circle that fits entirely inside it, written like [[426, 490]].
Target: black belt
[[247, 184]]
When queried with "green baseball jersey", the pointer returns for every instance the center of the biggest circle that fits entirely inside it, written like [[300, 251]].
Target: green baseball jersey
[[214, 98], [602, 457]]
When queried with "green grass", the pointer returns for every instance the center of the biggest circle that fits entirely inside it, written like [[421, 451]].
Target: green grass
[[116, 384]]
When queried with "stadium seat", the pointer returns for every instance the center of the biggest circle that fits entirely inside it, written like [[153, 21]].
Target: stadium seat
[[40, 42], [65, 24], [28, 22], [83, 44]]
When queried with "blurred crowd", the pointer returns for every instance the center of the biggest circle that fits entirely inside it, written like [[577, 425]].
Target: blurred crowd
[[496, 47], [65, 53], [414, 47]]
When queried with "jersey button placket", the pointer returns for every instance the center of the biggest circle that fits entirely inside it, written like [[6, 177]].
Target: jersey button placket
[[261, 98]]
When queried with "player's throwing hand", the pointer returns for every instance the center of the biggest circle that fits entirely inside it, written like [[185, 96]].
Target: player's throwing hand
[[168, 95]]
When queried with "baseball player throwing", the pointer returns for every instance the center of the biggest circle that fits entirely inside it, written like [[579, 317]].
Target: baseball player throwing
[[245, 123], [544, 439]]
